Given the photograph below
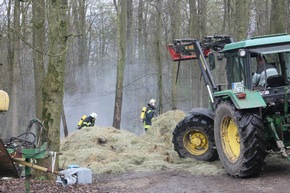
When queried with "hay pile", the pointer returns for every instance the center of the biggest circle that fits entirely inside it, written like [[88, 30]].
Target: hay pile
[[109, 150]]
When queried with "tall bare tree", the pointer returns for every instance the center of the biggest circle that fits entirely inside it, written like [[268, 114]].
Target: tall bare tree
[[287, 15], [38, 11], [7, 131], [130, 26], [140, 28], [229, 12], [277, 21], [53, 89], [198, 20], [175, 24], [159, 53], [15, 70], [38, 42], [193, 19], [262, 11], [194, 32], [202, 16], [121, 38], [241, 19], [82, 41]]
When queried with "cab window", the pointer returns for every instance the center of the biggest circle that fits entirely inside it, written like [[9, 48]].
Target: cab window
[[236, 68]]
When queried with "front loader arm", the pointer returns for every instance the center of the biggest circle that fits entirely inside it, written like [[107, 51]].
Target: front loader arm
[[190, 49], [207, 77]]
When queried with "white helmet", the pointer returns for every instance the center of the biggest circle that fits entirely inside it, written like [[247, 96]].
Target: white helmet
[[94, 115], [152, 102]]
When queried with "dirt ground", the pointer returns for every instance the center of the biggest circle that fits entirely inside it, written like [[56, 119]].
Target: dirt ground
[[274, 178], [122, 162]]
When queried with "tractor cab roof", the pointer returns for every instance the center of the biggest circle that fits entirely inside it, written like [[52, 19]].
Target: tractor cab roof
[[262, 42], [271, 49]]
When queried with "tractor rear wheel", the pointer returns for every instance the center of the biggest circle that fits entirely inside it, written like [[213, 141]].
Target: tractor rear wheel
[[239, 140], [194, 137]]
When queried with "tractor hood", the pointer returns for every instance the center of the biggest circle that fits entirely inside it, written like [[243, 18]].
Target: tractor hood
[[252, 99]]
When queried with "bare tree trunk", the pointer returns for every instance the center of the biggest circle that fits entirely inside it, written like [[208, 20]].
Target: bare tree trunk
[[82, 43], [277, 22], [38, 8], [38, 20], [175, 23], [231, 16], [130, 22], [203, 97], [64, 124], [202, 13], [122, 17], [10, 56], [145, 33], [16, 71], [287, 14], [225, 6], [159, 53], [24, 11], [195, 71], [194, 68], [263, 15], [140, 29], [194, 30], [54, 80], [242, 19], [198, 27]]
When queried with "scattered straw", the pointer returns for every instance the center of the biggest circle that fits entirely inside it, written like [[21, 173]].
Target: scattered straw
[[109, 150]]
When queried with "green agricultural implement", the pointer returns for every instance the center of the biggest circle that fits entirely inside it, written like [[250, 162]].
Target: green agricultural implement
[[19, 155], [246, 120]]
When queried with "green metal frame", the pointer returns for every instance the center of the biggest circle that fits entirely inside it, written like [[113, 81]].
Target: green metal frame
[[36, 153]]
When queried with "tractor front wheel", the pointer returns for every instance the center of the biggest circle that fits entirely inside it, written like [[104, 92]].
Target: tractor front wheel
[[194, 137], [240, 140]]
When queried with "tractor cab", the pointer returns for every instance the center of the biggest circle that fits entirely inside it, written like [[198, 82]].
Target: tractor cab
[[272, 52]]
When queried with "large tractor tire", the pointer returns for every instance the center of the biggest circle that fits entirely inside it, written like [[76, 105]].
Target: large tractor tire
[[194, 137], [239, 136]]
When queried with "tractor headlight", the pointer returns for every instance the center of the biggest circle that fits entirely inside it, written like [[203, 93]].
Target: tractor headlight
[[242, 53]]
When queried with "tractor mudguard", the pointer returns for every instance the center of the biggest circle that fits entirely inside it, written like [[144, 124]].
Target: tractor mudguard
[[202, 111], [251, 99]]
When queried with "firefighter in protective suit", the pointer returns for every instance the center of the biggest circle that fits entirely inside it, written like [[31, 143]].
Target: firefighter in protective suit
[[148, 113], [89, 121]]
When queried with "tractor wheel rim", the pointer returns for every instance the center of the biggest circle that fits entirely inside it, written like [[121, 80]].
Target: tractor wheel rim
[[230, 139], [195, 142]]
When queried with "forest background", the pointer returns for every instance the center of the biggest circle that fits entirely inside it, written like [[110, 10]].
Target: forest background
[[62, 59]]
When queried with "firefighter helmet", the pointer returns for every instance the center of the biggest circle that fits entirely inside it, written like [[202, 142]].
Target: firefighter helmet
[[94, 115], [152, 102]]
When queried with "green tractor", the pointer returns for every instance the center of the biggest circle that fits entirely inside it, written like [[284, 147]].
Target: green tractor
[[248, 115]]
